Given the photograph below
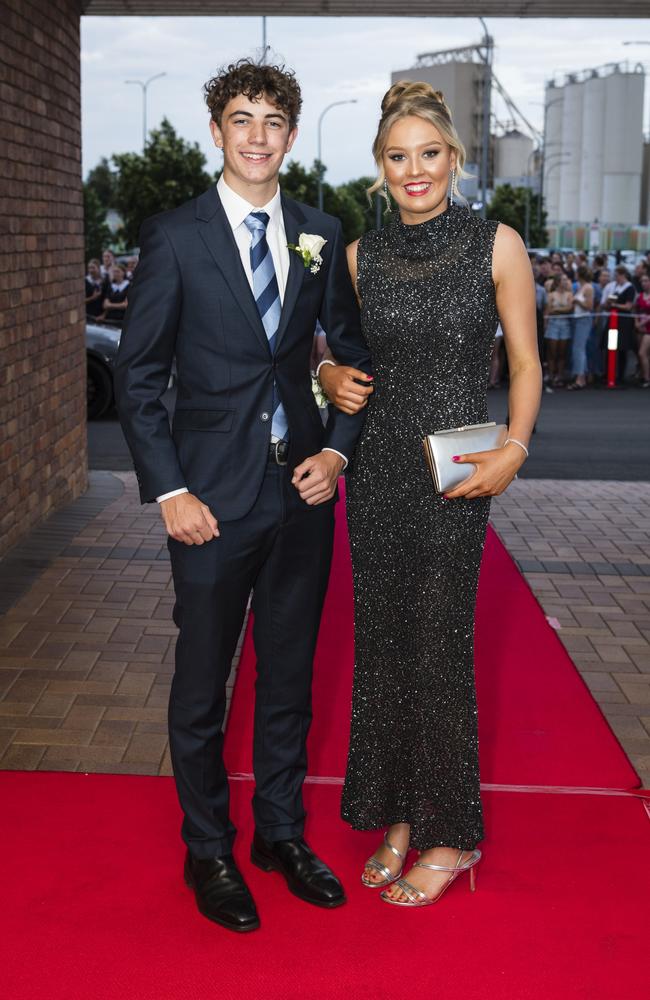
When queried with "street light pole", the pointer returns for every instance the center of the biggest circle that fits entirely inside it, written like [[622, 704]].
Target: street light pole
[[558, 100], [144, 85], [264, 43], [487, 94], [532, 153], [319, 155]]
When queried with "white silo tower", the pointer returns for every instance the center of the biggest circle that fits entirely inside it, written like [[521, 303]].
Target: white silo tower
[[623, 146], [594, 140], [572, 148]]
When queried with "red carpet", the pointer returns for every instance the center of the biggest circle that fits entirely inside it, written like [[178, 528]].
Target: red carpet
[[94, 907], [539, 724]]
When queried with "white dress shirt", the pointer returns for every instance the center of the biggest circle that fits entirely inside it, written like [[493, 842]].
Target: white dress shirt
[[236, 209]]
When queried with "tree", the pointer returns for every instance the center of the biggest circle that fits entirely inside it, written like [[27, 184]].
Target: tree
[[358, 191], [169, 172], [508, 205], [102, 181], [302, 184], [97, 235]]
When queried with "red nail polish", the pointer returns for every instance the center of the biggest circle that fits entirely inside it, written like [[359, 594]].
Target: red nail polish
[[455, 458]]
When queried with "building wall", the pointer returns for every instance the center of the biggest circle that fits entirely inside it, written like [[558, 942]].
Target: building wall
[[43, 369]]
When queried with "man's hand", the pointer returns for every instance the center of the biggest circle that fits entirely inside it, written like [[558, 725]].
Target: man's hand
[[341, 389], [188, 520], [316, 477]]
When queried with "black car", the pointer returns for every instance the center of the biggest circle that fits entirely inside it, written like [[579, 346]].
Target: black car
[[102, 343]]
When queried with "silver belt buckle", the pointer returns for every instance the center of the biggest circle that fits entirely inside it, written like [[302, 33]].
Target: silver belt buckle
[[276, 445]]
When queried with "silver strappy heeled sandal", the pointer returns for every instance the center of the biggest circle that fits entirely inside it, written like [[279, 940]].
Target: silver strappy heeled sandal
[[418, 898], [382, 869]]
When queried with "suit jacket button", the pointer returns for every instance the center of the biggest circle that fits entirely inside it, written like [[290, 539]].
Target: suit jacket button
[[264, 416]]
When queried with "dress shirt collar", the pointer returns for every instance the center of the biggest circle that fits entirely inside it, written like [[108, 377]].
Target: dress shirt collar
[[237, 208]]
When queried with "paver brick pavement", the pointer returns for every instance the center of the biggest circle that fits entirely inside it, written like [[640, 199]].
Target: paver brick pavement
[[87, 641]]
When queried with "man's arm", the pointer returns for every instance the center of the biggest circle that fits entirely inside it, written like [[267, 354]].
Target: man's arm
[[144, 362], [339, 317]]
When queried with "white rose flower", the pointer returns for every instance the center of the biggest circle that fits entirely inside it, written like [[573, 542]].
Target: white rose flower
[[312, 244]]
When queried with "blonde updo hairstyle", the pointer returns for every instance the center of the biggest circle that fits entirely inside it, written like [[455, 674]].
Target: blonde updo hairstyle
[[420, 99]]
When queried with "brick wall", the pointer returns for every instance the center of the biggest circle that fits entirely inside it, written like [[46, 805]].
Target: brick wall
[[42, 360]]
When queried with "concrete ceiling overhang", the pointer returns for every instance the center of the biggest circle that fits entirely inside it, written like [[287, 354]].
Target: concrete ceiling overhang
[[372, 8]]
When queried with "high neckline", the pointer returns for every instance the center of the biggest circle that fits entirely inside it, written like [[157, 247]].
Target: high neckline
[[431, 223]]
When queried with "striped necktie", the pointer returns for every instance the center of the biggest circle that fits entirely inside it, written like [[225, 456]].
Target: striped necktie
[[267, 299]]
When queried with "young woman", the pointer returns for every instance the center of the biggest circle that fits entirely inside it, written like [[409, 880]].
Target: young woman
[[432, 287], [115, 302], [558, 327], [583, 303], [642, 323]]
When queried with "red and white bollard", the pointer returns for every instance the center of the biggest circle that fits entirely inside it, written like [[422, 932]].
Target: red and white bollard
[[612, 349]]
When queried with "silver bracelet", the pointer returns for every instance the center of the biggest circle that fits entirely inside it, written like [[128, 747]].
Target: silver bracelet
[[515, 441], [325, 361]]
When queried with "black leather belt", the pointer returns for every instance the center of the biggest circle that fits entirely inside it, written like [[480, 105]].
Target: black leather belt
[[279, 452]]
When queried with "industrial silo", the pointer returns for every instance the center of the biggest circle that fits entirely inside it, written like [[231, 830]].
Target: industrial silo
[[594, 140], [623, 146], [572, 150], [513, 160]]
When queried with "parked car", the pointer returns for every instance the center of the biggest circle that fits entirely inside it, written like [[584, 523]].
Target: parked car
[[102, 343]]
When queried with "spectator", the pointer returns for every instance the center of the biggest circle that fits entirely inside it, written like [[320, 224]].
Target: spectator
[[541, 302], [622, 299], [597, 338], [558, 327], [108, 260], [131, 265], [600, 262], [639, 271], [642, 323], [583, 302], [95, 289], [544, 272], [115, 301], [557, 270]]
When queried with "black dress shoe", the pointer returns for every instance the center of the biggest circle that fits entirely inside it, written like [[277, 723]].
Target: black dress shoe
[[307, 876], [221, 893]]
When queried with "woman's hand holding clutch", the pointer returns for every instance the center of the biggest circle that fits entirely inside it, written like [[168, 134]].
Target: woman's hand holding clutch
[[494, 472], [347, 388]]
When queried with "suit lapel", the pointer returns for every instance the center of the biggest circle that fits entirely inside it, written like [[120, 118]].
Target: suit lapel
[[218, 237], [293, 218]]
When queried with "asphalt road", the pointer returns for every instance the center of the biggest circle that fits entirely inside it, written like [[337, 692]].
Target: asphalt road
[[595, 434]]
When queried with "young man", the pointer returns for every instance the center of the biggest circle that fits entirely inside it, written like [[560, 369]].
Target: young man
[[246, 479]]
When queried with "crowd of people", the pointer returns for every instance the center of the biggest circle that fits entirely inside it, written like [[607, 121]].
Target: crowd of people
[[575, 298], [107, 287], [574, 301]]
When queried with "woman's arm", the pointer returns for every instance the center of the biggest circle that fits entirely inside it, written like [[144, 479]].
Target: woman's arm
[[338, 380], [515, 297]]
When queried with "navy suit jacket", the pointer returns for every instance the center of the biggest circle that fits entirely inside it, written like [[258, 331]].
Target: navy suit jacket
[[190, 300]]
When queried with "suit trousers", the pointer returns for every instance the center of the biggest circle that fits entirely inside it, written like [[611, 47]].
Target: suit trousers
[[281, 551]]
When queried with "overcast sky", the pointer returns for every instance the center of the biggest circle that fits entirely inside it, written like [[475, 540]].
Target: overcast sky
[[334, 58]]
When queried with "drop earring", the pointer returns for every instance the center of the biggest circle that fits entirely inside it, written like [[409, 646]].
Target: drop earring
[[389, 207], [452, 185]]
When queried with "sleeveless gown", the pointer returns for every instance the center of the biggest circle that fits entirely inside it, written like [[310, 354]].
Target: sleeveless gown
[[429, 317]]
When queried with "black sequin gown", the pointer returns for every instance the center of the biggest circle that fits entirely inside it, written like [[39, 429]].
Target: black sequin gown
[[429, 316]]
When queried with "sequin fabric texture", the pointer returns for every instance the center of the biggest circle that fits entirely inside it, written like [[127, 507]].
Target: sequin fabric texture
[[429, 316]]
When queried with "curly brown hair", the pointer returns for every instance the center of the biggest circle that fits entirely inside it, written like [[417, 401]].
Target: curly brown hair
[[254, 80]]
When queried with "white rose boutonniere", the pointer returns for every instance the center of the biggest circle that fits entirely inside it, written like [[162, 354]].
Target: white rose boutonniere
[[309, 247]]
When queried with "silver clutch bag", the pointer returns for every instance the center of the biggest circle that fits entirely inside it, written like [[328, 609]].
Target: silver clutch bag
[[442, 445]]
